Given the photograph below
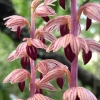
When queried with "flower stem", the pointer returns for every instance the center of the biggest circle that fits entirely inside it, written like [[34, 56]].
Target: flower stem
[[33, 76], [74, 31]]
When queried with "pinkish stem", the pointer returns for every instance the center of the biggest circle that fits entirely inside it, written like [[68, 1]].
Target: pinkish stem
[[33, 76], [74, 31]]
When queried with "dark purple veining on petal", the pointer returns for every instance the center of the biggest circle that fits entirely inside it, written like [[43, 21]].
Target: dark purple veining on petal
[[21, 86], [69, 54], [60, 82], [88, 23], [46, 18], [64, 29], [18, 32], [24, 62], [62, 3], [32, 52], [86, 57]]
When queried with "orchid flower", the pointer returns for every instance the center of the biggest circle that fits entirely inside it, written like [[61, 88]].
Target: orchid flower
[[39, 86], [47, 65], [43, 9], [16, 23], [18, 75], [92, 11], [56, 22], [52, 69], [26, 49], [44, 35], [76, 44], [78, 93]]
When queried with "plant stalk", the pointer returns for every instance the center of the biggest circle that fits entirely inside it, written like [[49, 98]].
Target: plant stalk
[[74, 31], [33, 76]]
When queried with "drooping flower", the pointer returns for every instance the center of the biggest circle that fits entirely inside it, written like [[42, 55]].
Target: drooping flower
[[92, 11], [43, 9], [52, 69], [47, 65], [16, 23], [78, 93], [27, 50], [18, 75], [44, 35], [56, 22], [76, 44], [39, 86]]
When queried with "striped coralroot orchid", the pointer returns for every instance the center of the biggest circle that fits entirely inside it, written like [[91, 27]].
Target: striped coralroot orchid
[[47, 65], [56, 22], [39, 97], [56, 73], [43, 10], [16, 23], [44, 35], [39, 86], [18, 75], [92, 11], [78, 93], [76, 44], [27, 49]]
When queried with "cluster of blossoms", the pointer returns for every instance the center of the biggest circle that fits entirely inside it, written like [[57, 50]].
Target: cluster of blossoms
[[69, 28]]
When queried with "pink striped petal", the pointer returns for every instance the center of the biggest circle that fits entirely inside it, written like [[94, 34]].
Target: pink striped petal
[[93, 45], [38, 44], [57, 21], [39, 97], [16, 76], [47, 65], [75, 45], [83, 44], [91, 10], [16, 21], [78, 93], [43, 11], [56, 73]]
